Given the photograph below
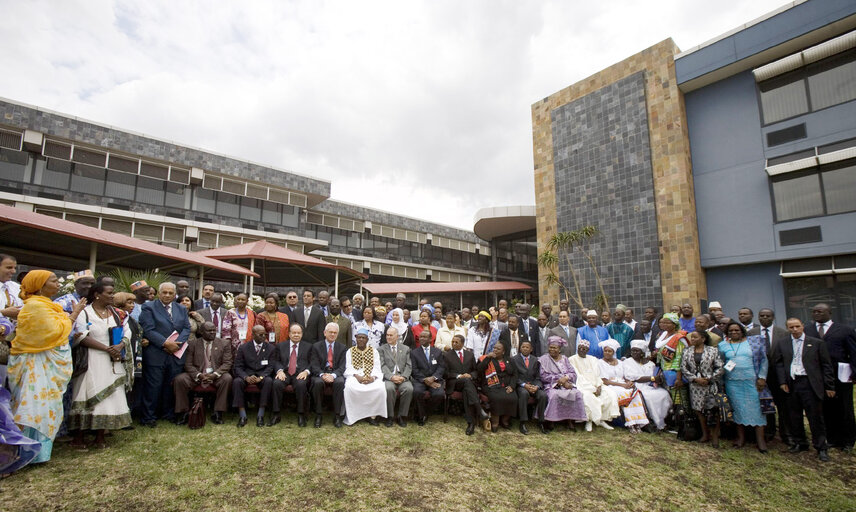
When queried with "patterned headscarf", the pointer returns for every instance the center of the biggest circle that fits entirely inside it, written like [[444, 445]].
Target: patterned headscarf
[[672, 317], [556, 340]]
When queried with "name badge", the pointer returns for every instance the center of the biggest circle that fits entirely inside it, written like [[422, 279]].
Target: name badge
[[264, 362], [433, 361], [209, 370], [242, 334], [272, 337], [730, 365]]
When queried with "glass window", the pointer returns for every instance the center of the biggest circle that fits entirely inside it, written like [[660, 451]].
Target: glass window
[[227, 205], [839, 187], [56, 174], [250, 209], [270, 213], [834, 82], [13, 164], [89, 179], [798, 197], [290, 216], [120, 185], [150, 190], [205, 200], [339, 239], [783, 99], [177, 195]]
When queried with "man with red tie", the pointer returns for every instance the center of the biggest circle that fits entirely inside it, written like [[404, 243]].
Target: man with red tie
[[460, 370], [214, 313], [327, 366], [208, 361], [291, 368], [529, 385]]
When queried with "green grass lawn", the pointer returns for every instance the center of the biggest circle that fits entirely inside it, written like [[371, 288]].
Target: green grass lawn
[[435, 467]]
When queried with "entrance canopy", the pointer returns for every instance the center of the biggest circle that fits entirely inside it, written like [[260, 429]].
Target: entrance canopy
[[429, 288]]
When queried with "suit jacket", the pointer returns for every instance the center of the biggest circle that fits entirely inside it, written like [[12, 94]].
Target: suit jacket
[[455, 367], [206, 314], [198, 304], [248, 363], [157, 326], [406, 338], [422, 368], [531, 375], [357, 313], [220, 361], [313, 327], [282, 355], [345, 328], [571, 348], [840, 342], [535, 338], [553, 321], [777, 332], [815, 359], [387, 363], [505, 336], [318, 358]]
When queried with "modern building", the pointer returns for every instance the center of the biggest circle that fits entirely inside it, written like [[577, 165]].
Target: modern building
[[725, 172]]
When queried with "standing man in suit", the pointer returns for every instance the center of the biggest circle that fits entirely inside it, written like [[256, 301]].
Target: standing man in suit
[[291, 363], [214, 313], [643, 331], [841, 343], [208, 361], [745, 316], [428, 370], [324, 302], [205, 301], [182, 287], [805, 373], [529, 385], [568, 333], [253, 365], [552, 320], [513, 335], [396, 367], [159, 319], [459, 373], [543, 332], [772, 335], [565, 305], [344, 323], [290, 306], [357, 306], [310, 317], [327, 364]]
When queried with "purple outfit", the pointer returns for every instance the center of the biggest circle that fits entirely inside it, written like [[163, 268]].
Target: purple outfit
[[563, 404]]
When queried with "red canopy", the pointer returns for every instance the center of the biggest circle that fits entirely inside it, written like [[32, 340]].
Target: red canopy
[[423, 288]]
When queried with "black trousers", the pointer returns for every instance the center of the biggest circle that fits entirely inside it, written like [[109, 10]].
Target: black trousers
[[157, 389], [780, 398], [802, 397], [239, 385], [523, 403], [468, 389], [437, 396], [301, 388], [317, 391], [838, 415]]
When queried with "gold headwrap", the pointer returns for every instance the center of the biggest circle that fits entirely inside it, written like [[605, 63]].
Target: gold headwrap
[[33, 282]]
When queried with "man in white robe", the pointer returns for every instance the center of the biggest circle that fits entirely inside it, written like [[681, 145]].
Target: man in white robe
[[600, 401], [365, 391]]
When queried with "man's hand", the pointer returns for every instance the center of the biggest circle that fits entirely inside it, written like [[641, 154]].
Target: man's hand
[[509, 389], [170, 346], [597, 391], [830, 393], [530, 388], [328, 378], [302, 375], [77, 308], [396, 379], [280, 375], [465, 376], [784, 387], [11, 311], [434, 385], [429, 381]]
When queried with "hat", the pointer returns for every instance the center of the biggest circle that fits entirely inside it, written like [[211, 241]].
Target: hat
[[640, 344], [672, 317], [621, 307], [611, 343], [137, 285], [556, 340], [583, 343], [363, 331], [484, 314], [80, 274], [714, 304], [429, 307], [591, 312]]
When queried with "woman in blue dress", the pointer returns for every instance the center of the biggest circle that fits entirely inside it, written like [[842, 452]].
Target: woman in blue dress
[[743, 380]]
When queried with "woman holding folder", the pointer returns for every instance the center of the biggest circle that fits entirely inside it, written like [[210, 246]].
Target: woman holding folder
[[98, 394]]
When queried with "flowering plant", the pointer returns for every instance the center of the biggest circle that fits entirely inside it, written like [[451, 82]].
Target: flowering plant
[[256, 302], [66, 284]]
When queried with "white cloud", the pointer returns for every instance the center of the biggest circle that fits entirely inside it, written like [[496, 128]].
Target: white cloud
[[421, 108]]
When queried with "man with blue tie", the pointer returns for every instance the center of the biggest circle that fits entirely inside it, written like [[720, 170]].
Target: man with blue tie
[[428, 369], [327, 366], [159, 318]]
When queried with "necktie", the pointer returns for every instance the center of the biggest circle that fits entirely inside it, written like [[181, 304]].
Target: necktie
[[292, 359], [216, 320], [461, 355], [207, 355], [330, 355], [526, 362], [767, 335], [258, 349], [206, 303], [394, 352], [428, 354], [820, 330], [168, 308], [567, 331]]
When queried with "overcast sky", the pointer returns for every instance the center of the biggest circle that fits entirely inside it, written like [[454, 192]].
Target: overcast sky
[[419, 108]]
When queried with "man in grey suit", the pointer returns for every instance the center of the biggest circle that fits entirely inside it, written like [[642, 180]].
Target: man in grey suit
[[214, 313], [773, 334], [396, 367], [567, 332]]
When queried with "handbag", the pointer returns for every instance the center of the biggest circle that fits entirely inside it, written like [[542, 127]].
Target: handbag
[[767, 404], [80, 355], [6, 348], [726, 412], [196, 417], [624, 402]]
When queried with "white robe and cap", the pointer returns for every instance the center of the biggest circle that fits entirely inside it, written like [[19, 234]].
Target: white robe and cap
[[363, 400], [598, 408]]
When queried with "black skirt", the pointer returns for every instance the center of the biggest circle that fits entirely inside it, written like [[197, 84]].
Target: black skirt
[[502, 403]]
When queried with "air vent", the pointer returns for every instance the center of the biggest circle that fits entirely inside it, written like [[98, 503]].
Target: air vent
[[55, 149], [11, 140], [202, 219], [48, 195], [86, 156], [800, 236], [786, 135]]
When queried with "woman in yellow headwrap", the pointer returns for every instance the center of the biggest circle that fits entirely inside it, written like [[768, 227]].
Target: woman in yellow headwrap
[[40, 361]]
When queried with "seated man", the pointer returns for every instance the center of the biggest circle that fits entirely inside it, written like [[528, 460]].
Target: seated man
[[396, 367], [365, 392], [291, 368], [460, 370], [529, 385], [428, 370], [208, 361], [253, 367], [327, 365]]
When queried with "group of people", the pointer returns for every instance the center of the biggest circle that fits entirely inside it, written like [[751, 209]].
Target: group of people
[[74, 360]]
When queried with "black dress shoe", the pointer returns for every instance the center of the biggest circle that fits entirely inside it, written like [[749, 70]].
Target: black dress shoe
[[795, 448], [260, 421], [337, 421], [420, 421], [150, 424], [217, 418], [401, 422], [317, 421], [823, 456], [181, 420], [542, 428], [373, 422], [389, 422], [471, 428], [301, 420], [242, 421], [274, 420], [523, 429], [494, 429]]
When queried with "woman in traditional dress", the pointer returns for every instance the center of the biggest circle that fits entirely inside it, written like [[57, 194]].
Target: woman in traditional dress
[[365, 391], [240, 321], [612, 374], [274, 322], [40, 363], [98, 396], [193, 317], [123, 303], [702, 367], [565, 401], [405, 335], [649, 381], [600, 401], [479, 336], [425, 324], [500, 385], [670, 347], [743, 382], [374, 327]]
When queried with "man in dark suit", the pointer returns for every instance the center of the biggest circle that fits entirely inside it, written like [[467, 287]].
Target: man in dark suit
[[565, 305], [428, 370], [291, 363], [327, 364], [208, 361], [290, 306], [311, 318], [159, 318], [324, 302], [344, 323], [459, 373], [397, 368], [214, 313], [643, 331], [552, 320], [205, 301], [543, 333], [773, 334], [806, 380], [513, 336], [841, 343], [529, 380], [253, 365]]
